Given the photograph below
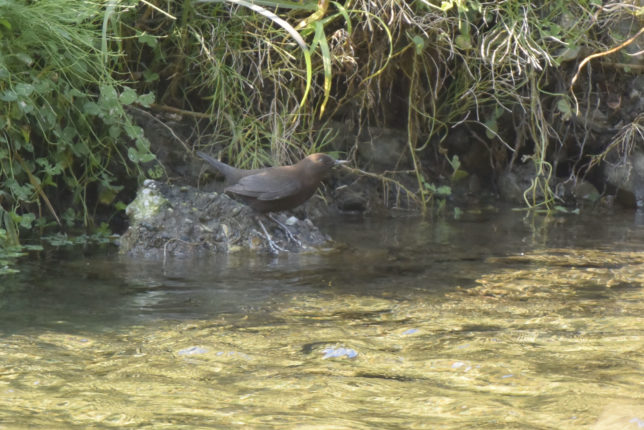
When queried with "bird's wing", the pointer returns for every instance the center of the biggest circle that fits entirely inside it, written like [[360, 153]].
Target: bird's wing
[[265, 187]]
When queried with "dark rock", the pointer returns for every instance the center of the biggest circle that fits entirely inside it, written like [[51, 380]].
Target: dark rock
[[351, 199], [514, 183], [627, 176], [184, 221]]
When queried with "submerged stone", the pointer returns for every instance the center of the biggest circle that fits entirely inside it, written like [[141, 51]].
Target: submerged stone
[[193, 350], [331, 352]]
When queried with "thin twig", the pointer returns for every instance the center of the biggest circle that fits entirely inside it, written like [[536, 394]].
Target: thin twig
[[36, 184], [384, 179], [184, 144], [158, 10], [603, 53], [180, 111]]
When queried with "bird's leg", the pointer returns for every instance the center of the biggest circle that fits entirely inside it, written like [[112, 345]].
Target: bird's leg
[[274, 247], [288, 233]]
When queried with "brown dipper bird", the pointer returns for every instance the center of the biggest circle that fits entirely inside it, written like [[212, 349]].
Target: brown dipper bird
[[274, 189]]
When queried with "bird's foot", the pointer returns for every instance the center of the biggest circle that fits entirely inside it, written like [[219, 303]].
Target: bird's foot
[[286, 231], [275, 248]]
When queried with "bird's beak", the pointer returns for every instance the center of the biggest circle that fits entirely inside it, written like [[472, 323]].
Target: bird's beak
[[340, 162]]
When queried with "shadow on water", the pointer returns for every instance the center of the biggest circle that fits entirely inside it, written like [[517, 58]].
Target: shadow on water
[[83, 289], [393, 257], [491, 321]]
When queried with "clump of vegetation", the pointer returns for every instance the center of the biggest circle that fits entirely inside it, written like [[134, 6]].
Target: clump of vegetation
[[501, 70], [239, 76], [64, 132]]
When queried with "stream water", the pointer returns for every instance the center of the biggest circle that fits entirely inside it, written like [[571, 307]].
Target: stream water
[[493, 321]]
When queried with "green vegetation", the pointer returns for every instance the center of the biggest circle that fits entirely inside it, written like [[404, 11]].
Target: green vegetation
[[64, 132], [273, 78], [267, 81]]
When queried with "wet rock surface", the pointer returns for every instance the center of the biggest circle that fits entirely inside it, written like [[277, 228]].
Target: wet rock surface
[[513, 184], [185, 221], [627, 176]]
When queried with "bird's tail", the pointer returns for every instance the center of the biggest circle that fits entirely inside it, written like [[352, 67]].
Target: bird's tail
[[223, 168]]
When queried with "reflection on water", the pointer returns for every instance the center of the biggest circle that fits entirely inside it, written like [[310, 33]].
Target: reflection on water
[[484, 323]]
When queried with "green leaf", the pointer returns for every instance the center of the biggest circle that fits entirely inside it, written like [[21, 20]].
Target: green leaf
[[419, 42], [320, 38], [114, 131], [91, 108], [146, 99], [463, 41], [133, 155], [107, 195], [146, 157], [61, 239], [48, 168], [74, 93], [80, 148], [149, 76], [109, 97], [143, 148], [156, 172], [128, 96], [8, 96], [444, 190], [345, 15], [43, 86], [24, 89], [455, 162], [26, 220], [446, 5], [6, 24], [563, 106], [430, 187], [133, 131], [33, 247], [68, 135], [20, 192], [25, 106], [571, 52], [148, 39], [459, 175], [25, 58], [48, 116], [491, 128]]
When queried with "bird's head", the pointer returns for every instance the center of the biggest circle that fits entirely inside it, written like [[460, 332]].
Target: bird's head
[[322, 162]]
